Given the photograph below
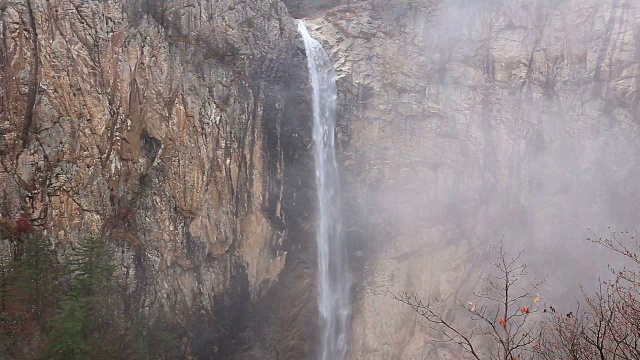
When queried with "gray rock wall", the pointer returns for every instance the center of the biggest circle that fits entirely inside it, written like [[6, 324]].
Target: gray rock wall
[[312, 8]]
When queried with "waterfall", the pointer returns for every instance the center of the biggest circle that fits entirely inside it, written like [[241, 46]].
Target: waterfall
[[333, 275]]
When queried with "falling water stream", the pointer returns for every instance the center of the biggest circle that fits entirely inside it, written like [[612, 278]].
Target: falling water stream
[[333, 274]]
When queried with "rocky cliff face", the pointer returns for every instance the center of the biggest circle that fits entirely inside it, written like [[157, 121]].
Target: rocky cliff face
[[311, 8], [466, 121], [178, 130]]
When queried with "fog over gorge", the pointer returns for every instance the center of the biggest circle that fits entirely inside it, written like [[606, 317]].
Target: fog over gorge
[[319, 179], [508, 119]]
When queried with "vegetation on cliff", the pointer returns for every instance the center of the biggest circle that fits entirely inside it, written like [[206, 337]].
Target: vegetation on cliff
[[507, 319], [76, 309]]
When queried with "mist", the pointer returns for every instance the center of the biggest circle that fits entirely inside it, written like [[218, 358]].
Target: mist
[[465, 123]]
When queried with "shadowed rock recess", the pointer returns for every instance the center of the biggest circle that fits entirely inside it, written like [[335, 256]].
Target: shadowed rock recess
[[180, 131]]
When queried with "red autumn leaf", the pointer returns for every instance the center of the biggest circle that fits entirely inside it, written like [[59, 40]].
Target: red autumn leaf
[[525, 310], [23, 225], [503, 322]]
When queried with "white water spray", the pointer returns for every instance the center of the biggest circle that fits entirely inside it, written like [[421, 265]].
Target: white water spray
[[333, 275]]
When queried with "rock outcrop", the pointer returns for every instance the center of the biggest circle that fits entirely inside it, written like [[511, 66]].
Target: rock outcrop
[[311, 8]]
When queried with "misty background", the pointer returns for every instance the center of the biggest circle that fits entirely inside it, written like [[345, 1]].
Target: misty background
[[467, 122]]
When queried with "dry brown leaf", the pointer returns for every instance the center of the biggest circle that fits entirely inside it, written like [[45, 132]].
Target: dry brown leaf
[[537, 299]]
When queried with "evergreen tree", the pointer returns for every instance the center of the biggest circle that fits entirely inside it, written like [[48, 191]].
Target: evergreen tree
[[28, 274], [4, 281], [77, 330], [33, 275]]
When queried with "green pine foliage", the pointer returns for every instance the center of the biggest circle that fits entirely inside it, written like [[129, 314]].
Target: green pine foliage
[[28, 276], [35, 274], [68, 339], [4, 281], [82, 316], [74, 308]]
